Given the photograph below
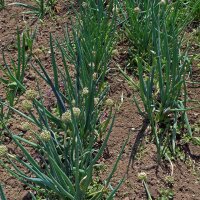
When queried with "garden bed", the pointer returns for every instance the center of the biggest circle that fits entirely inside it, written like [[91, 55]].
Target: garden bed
[[186, 168]]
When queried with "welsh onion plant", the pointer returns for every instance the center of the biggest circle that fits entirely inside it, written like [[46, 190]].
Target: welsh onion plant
[[164, 103], [96, 33], [13, 74], [66, 142], [140, 22], [68, 134], [142, 176], [163, 89], [138, 28], [14, 71], [29, 36], [40, 9]]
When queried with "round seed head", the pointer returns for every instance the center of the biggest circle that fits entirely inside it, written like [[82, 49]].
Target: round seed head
[[169, 180], [45, 135], [27, 105], [142, 176], [116, 9], [96, 101], [163, 2], [96, 133], [66, 117], [3, 150], [76, 111], [94, 76], [73, 102], [91, 64], [84, 4], [85, 91], [55, 112], [94, 53], [109, 102], [137, 9], [31, 94], [25, 126], [115, 52], [37, 52]]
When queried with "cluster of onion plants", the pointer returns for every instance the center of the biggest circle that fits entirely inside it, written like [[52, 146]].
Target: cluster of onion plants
[[67, 135], [191, 7], [139, 15], [162, 71], [40, 9], [13, 71]]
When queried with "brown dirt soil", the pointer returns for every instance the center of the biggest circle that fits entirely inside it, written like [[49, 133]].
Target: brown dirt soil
[[186, 173]]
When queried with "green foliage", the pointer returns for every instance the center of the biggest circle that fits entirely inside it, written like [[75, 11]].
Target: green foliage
[[3, 119], [96, 34], [68, 134], [162, 85], [29, 36], [191, 7], [161, 91], [2, 195], [166, 194], [67, 148], [141, 22], [40, 9], [2, 4], [14, 71]]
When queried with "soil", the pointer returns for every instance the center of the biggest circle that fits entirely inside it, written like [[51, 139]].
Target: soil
[[186, 173]]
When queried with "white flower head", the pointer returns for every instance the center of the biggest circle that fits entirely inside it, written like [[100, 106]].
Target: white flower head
[[45, 135], [85, 91], [95, 76], [96, 101], [163, 2], [109, 102], [25, 126], [142, 176], [31, 94], [66, 117], [137, 9], [3, 150], [27, 105], [76, 111]]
